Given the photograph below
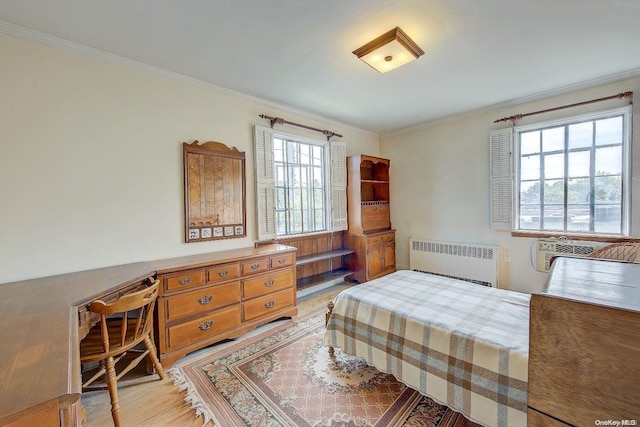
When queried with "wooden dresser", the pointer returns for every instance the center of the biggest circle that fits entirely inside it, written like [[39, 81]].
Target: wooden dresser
[[370, 235], [584, 345], [211, 297]]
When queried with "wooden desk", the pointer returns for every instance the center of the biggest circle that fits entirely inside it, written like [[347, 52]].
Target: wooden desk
[[40, 380], [43, 320], [584, 344]]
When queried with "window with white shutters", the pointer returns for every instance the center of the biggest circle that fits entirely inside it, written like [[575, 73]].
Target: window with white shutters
[[300, 185], [568, 176]]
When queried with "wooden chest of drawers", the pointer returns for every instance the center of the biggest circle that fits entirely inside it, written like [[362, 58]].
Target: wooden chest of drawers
[[211, 297]]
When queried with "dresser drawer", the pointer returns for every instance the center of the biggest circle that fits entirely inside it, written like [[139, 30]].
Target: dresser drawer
[[281, 260], [201, 300], [267, 283], [224, 272], [267, 304], [254, 266], [380, 238], [204, 327], [183, 280]]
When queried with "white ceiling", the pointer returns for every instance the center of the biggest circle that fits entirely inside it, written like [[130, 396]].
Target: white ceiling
[[297, 53]]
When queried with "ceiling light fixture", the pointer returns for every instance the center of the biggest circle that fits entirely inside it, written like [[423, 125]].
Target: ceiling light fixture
[[389, 51]]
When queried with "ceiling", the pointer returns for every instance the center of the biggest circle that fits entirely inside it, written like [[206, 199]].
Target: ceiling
[[297, 53]]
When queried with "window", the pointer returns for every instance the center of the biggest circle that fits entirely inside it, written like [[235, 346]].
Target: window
[[300, 185], [573, 175]]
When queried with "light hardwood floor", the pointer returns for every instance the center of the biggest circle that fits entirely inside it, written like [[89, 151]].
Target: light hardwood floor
[[147, 401]]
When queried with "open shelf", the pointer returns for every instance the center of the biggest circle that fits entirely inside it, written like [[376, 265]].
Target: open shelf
[[322, 256], [317, 279]]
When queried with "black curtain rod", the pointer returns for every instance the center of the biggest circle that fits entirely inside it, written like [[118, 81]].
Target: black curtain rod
[[517, 117], [282, 121]]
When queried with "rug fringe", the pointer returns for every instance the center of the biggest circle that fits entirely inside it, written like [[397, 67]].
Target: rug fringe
[[192, 398]]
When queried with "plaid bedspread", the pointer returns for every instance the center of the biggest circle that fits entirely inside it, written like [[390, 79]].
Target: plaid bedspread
[[462, 344]]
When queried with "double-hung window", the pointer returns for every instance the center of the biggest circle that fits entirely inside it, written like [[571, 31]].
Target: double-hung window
[[572, 175], [300, 184]]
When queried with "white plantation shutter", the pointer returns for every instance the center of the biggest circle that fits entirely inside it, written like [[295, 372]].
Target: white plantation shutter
[[501, 178], [338, 186], [265, 183]]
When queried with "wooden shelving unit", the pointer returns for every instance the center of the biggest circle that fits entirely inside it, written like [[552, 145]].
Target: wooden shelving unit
[[320, 258], [370, 234], [334, 272]]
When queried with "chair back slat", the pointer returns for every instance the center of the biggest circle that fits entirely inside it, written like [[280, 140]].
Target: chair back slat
[[105, 332]]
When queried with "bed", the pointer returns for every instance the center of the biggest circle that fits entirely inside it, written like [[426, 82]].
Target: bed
[[462, 344]]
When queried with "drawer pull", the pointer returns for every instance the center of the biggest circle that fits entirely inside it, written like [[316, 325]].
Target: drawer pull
[[255, 266], [223, 273], [282, 261], [269, 283], [270, 304], [184, 280], [205, 299], [206, 325]]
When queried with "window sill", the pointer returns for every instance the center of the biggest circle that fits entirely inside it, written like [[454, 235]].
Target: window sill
[[609, 238]]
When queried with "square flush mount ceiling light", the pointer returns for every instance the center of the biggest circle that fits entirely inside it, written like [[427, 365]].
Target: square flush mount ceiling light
[[389, 51]]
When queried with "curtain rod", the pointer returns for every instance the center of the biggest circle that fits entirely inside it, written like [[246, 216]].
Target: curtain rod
[[517, 117], [282, 121]]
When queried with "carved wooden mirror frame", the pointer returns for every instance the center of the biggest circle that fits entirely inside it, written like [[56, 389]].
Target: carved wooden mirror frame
[[214, 192]]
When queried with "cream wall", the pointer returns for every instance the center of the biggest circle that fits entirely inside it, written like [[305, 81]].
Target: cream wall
[[91, 158], [440, 179]]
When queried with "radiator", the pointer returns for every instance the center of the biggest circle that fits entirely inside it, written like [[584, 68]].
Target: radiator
[[471, 262]]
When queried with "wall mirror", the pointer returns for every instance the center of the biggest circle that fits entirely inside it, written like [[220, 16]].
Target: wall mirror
[[214, 192]]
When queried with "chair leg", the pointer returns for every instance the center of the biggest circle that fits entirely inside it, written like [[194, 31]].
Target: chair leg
[[112, 383], [154, 357]]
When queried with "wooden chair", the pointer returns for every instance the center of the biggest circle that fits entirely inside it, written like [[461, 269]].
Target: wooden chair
[[624, 251], [124, 323]]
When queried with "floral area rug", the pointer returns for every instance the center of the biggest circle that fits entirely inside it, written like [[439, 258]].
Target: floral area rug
[[285, 377]]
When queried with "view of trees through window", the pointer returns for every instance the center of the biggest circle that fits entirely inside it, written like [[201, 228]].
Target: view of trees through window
[[571, 177], [300, 187]]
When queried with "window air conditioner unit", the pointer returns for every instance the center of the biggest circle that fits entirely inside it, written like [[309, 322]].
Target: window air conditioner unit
[[547, 249]]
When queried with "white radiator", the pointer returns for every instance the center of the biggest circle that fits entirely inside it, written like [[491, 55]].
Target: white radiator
[[476, 263]]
